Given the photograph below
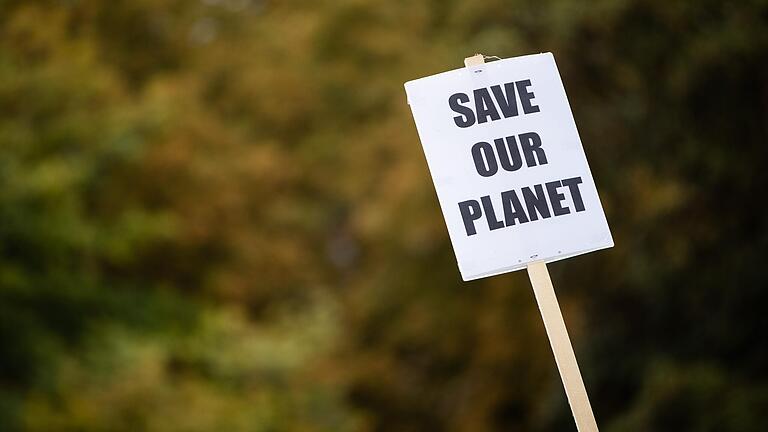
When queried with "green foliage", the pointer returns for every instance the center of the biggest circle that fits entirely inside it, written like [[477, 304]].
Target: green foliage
[[215, 215]]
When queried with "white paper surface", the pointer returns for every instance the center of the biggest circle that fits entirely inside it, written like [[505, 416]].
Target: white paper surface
[[448, 149]]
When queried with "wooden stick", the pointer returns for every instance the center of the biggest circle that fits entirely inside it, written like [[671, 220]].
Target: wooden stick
[[475, 60], [561, 347], [556, 331]]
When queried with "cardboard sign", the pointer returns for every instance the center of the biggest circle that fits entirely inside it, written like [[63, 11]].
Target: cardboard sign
[[508, 165]]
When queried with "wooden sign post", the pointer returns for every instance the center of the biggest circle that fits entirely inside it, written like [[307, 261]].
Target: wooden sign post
[[513, 182], [561, 347], [557, 333]]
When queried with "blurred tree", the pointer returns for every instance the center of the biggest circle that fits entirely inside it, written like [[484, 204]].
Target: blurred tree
[[215, 215]]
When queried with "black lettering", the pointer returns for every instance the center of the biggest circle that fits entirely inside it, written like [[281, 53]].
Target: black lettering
[[536, 202], [573, 186], [556, 198], [470, 212], [512, 208], [490, 215], [526, 97], [467, 117], [531, 144], [485, 160], [484, 106], [507, 102], [509, 154]]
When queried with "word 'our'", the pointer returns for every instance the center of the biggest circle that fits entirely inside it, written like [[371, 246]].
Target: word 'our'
[[505, 152]]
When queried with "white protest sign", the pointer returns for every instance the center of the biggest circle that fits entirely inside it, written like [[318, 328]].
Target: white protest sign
[[508, 165], [513, 183]]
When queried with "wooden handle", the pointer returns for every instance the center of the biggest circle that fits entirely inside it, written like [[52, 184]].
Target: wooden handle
[[475, 60], [556, 331], [561, 347]]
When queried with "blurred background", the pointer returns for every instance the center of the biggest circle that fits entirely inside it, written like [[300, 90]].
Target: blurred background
[[215, 215]]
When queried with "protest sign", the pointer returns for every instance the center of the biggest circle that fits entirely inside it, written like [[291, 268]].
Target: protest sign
[[508, 165], [513, 182]]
